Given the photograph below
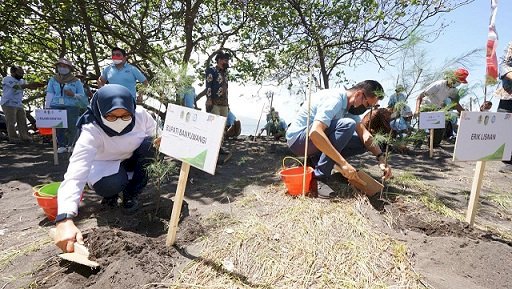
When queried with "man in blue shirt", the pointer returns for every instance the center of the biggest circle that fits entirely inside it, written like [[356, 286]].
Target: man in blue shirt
[[336, 132], [122, 73]]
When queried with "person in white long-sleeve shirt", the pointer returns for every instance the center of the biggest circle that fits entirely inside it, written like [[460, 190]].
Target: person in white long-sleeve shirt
[[115, 143]]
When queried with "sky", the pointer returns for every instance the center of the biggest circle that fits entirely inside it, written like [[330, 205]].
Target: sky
[[467, 30]]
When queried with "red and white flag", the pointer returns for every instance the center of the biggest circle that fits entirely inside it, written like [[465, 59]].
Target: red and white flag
[[492, 44]]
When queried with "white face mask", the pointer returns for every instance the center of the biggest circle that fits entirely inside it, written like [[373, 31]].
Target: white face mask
[[118, 125], [63, 70], [117, 61]]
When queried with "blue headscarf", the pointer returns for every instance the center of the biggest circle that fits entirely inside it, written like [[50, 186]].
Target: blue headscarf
[[105, 100]]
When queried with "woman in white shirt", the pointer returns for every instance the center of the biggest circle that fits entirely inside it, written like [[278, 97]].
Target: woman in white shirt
[[114, 145]]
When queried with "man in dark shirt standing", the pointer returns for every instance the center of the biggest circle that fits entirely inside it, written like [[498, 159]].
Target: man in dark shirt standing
[[217, 85]]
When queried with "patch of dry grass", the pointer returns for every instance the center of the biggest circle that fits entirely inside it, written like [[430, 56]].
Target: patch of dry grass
[[281, 242], [9, 255], [408, 181]]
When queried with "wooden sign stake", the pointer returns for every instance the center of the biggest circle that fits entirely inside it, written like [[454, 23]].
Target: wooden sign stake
[[54, 140], [431, 152], [178, 201], [475, 192]]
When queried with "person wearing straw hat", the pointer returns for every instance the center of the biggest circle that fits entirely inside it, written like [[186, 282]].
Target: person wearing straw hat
[[65, 91], [336, 132], [397, 97], [115, 144]]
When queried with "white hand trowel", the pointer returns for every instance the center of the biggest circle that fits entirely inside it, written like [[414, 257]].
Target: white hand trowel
[[80, 256]]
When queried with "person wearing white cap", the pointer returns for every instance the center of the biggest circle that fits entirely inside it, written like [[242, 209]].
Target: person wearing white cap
[[66, 92]]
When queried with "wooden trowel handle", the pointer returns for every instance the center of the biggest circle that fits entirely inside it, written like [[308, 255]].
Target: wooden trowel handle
[[361, 183], [79, 248]]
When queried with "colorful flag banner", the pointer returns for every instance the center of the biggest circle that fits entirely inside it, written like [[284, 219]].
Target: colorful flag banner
[[492, 44]]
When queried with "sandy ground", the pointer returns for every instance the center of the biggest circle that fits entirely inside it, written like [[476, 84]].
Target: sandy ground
[[132, 252]]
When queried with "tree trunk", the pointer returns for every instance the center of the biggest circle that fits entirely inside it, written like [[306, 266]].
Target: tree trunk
[[90, 39]]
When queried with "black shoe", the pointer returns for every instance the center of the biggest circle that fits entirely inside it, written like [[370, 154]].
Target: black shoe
[[130, 205], [110, 202], [319, 189]]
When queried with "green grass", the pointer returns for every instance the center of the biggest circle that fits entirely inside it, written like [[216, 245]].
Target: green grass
[[501, 199], [408, 181], [435, 205], [243, 160]]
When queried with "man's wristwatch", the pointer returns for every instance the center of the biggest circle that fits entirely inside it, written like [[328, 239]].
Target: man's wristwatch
[[65, 216]]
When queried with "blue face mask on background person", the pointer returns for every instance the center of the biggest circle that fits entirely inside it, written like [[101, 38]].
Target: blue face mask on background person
[[63, 70], [357, 110]]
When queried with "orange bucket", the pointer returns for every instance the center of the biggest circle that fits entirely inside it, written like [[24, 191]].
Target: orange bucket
[[48, 204], [46, 196], [45, 131], [293, 178]]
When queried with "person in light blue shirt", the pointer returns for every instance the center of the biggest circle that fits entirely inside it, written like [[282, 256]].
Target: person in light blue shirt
[[276, 126], [335, 132], [402, 124], [230, 119], [397, 97], [187, 93], [66, 92], [12, 105], [122, 73], [233, 126]]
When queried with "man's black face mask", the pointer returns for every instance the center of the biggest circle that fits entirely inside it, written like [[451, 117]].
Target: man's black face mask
[[357, 110]]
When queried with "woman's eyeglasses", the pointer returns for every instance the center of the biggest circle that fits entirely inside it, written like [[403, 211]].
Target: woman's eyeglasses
[[113, 118]]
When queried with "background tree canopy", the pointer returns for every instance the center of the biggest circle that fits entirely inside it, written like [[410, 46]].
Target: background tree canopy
[[276, 41]]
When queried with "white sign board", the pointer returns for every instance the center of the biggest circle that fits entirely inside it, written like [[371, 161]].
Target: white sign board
[[193, 136], [51, 118], [433, 119], [484, 136]]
